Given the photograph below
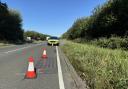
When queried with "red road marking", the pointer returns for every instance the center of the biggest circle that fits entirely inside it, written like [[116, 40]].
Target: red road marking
[[23, 52], [32, 51], [17, 56], [41, 70], [44, 62]]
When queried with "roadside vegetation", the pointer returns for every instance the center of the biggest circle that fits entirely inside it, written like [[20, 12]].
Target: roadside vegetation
[[98, 46], [101, 68], [10, 25], [35, 35], [2, 45], [106, 22], [11, 30], [111, 43]]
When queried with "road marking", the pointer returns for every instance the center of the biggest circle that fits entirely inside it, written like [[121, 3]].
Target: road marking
[[60, 75], [17, 49], [20, 48]]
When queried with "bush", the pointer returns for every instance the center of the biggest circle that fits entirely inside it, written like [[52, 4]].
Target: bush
[[113, 43], [80, 40]]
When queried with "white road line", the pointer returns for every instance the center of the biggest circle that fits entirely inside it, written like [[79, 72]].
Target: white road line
[[60, 75], [17, 49], [20, 48]]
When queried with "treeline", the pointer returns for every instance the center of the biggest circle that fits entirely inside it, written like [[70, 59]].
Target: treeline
[[35, 35], [110, 19], [10, 25]]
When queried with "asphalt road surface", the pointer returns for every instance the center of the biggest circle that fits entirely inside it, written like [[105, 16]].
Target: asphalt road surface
[[55, 72]]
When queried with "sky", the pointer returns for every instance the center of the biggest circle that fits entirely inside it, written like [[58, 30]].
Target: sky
[[53, 17]]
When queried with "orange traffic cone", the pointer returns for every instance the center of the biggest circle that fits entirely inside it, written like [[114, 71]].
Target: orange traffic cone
[[31, 70], [44, 55]]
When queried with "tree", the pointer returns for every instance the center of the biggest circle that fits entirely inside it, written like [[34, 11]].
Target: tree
[[35, 35], [78, 29], [109, 19], [10, 25]]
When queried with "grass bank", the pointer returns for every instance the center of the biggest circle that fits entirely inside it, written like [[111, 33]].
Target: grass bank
[[2, 45], [36, 42], [101, 68]]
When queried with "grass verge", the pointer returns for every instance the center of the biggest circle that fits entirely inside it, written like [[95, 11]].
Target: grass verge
[[2, 45], [36, 42], [101, 68]]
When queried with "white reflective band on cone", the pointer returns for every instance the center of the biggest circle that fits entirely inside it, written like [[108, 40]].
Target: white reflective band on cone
[[31, 66], [44, 52]]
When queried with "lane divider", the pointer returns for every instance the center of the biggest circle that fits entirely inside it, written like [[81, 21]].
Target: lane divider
[[21, 48], [17, 49], [31, 72]]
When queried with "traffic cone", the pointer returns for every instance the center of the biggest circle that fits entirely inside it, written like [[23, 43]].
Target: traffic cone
[[31, 70], [44, 55]]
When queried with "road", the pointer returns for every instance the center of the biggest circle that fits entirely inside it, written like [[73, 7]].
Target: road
[[50, 73]]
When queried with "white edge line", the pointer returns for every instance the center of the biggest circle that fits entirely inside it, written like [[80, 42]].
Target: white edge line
[[60, 75]]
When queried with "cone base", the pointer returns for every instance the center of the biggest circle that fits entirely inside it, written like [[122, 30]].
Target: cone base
[[44, 56], [30, 75]]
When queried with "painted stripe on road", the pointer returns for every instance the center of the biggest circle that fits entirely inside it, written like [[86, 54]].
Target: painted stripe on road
[[21, 48], [60, 75], [17, 49]]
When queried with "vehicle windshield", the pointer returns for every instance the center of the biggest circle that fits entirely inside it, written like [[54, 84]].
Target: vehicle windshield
[[54, 38]]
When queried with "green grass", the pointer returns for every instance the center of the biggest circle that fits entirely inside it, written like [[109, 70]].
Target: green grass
[[101, 68], [36, 42], [2, 45]]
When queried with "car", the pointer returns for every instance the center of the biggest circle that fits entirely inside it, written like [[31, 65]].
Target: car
[[47, 38], [53, 41]]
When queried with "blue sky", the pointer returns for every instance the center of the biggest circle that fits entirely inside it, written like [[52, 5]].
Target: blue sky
[[53, 17]]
